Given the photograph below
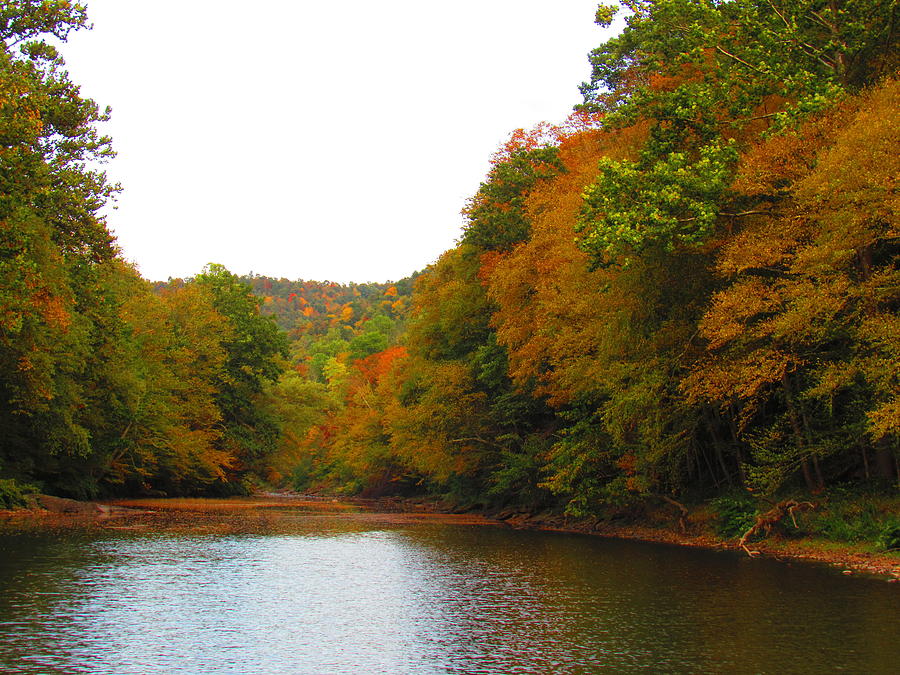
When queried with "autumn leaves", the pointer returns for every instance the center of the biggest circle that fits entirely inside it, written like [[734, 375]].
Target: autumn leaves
[[689, 285]]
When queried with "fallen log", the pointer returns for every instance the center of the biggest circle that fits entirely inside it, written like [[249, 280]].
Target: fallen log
[[766, 521]]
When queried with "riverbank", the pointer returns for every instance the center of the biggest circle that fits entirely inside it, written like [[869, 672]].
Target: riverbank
[[693, 528], [850, 559], [40, 505], [667, 525]]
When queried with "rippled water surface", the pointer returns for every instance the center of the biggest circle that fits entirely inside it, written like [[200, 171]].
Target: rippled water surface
[[293, 591]]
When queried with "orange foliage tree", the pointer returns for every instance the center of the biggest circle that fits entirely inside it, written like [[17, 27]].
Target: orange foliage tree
[[805, 324]]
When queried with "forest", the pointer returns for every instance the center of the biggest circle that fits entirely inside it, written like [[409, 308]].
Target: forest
[[687, 290]]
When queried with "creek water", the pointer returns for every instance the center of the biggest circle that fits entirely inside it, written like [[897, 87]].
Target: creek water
[[293, 590]]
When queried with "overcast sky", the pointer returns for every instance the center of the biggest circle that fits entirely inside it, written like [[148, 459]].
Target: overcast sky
[[316, 140]]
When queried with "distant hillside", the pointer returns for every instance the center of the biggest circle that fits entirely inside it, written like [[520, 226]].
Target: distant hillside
[[306, 308], [313, 307]]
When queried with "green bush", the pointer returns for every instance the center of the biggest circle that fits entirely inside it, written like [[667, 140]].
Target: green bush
[[851, 515], [847, 523], [735, 515], [519, 474], [889, 537], [301, 476], [14, 495]]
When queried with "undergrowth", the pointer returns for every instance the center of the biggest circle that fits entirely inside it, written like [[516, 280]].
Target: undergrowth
[[852, 516], [735, 514], [13, 494], [844, 515]]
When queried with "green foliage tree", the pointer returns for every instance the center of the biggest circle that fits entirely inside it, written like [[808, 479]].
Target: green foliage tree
[[366, 344], [255, 350], [704, 74], [59, 314], [296, 405], [496, 220]]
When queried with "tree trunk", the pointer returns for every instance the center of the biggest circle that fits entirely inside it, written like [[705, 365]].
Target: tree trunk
[[712, 472], [807, 475], [717, 443], [819, 479], [865, 458], [732, 428], [798, 432], [884, 461]]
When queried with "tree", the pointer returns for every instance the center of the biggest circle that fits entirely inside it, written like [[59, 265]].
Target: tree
[[600, 344], [706, 74], [297, 405], [50, 133], [255, 350], [496, 220], [168, 438], [59, 315], [800, 341]]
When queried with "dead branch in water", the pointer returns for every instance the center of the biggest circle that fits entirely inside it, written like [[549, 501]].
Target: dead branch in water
[[765, 521]]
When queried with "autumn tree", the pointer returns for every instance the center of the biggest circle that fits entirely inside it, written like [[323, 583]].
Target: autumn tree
[[800, 339], [704, 74], [58, 315], [167, 439], [361, 456], [297, 405], [601, 344], [255, 350]]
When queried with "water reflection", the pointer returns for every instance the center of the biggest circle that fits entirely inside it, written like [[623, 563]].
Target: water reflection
[[302, 593]]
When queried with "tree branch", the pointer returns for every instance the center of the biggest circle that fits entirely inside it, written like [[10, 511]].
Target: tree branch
[[765, 521], [480, 440], [681, 507], [745, 213], [739, 60]]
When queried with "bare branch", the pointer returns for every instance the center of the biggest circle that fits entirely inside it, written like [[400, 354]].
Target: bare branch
[[739, 60], [478, 439], [746, 213], [765, 521]]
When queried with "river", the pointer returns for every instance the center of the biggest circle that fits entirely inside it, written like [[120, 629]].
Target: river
[[318, 589]]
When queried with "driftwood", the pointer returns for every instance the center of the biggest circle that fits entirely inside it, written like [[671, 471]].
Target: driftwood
[[765, 521], [681, 507]]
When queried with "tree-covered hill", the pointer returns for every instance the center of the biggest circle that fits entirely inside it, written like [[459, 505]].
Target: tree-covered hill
[[688, 290]]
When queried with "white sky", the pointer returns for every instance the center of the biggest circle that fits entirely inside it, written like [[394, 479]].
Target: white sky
[[317, 140]]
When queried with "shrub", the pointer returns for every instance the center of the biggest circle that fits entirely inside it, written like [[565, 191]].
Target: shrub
[[848, 523], [735, 515], [889, 537], [14, 495]]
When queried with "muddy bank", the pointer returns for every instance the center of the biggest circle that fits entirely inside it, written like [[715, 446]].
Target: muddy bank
[[851, 560], [47, 505]]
